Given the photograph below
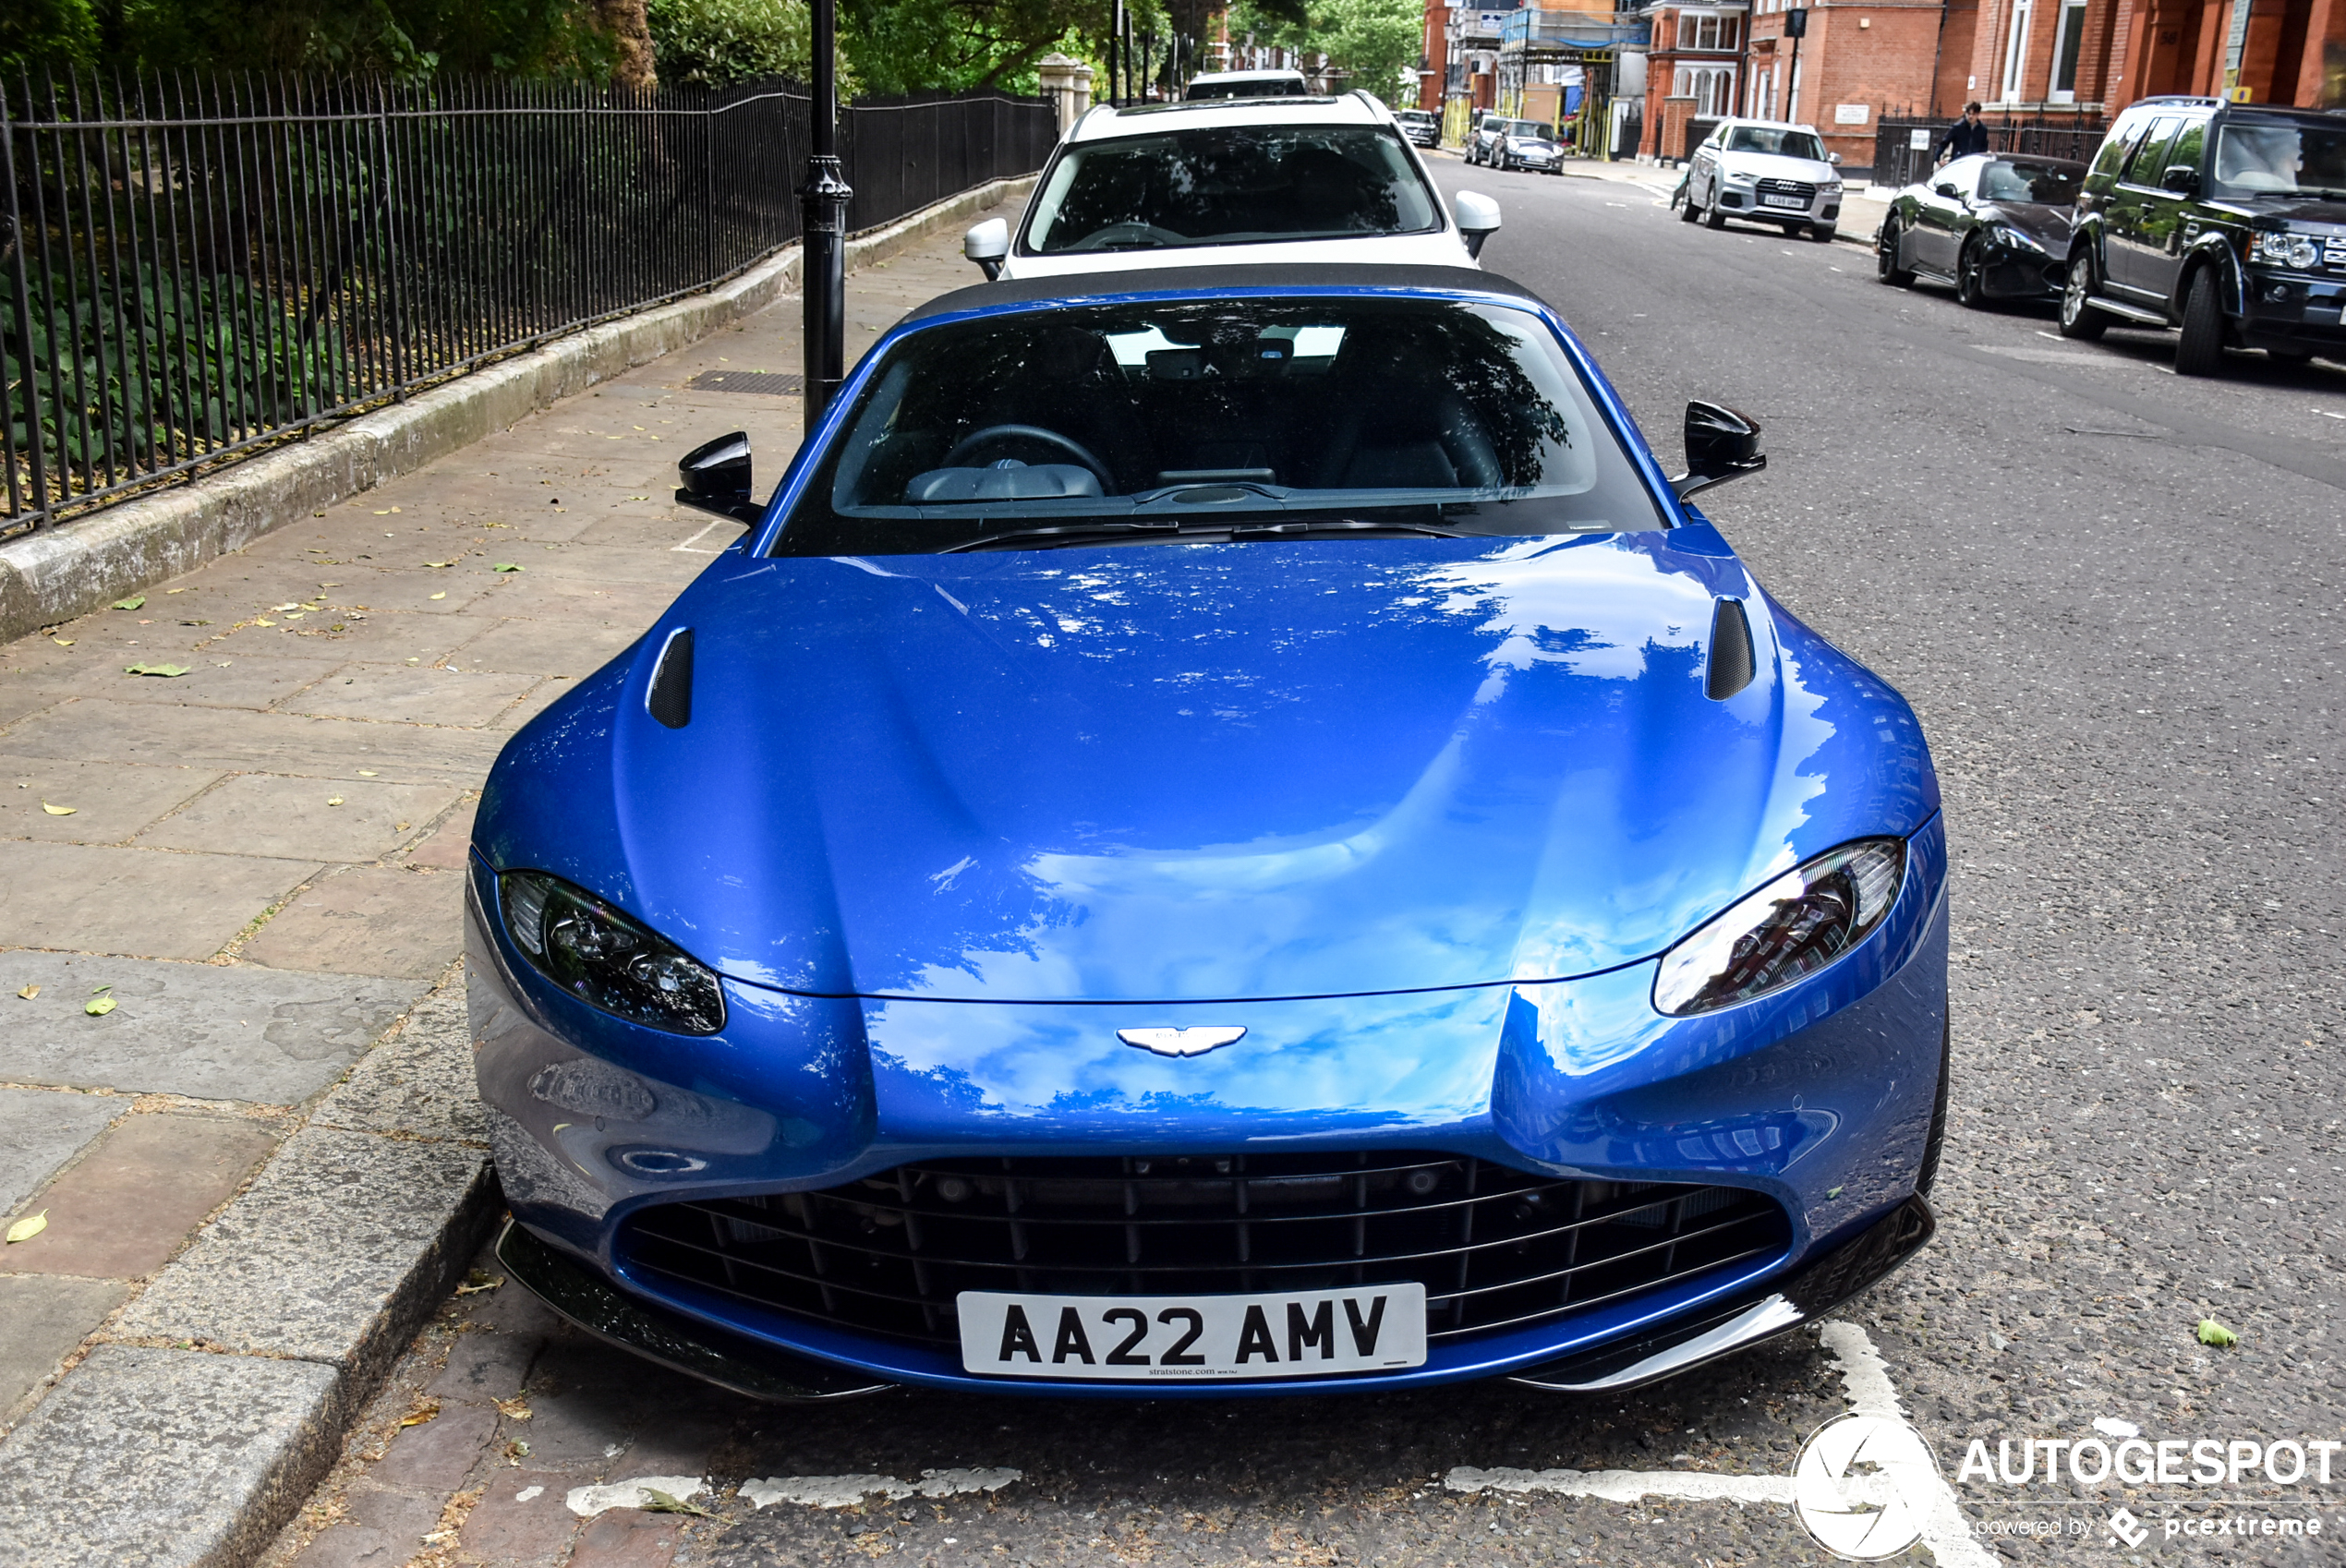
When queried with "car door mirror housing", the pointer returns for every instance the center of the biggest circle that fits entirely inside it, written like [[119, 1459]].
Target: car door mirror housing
[[1478, 219], [1945, 188], [2180, 179], [716, 477], [1720, 445], [986, 243], [1833, 158]]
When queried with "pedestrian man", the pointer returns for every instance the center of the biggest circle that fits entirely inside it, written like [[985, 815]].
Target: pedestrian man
[[1963, 138]]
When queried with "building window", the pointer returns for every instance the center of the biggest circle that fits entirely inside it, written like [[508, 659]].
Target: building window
[[2067, 48], [1712, 88], [2015, 53], [1712, 32]]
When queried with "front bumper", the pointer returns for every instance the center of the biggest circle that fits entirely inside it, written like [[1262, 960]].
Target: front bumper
[[1820, 1097], [2301, 310]]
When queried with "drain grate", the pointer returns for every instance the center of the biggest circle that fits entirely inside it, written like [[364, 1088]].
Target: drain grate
[[767, 383]]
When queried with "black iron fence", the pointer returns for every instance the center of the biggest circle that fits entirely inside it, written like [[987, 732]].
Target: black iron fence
[[1898, 160], [190, 270]]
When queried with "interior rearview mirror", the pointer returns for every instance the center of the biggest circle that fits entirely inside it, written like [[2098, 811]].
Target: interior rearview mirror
[[716, 478], [986, 243], [1478, 219], [1720, 445], [2180, 179]]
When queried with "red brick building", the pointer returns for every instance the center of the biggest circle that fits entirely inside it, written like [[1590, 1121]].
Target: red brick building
[[2100, 56], [1856, 60]]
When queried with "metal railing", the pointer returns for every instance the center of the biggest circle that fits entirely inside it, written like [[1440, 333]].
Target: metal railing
[[1896, 162], [190, 270]]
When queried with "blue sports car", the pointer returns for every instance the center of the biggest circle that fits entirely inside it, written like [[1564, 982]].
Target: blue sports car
[[1222, 832]]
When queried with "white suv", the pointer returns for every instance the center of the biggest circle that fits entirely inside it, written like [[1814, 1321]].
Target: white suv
[[1765, 171], [1234, 181]]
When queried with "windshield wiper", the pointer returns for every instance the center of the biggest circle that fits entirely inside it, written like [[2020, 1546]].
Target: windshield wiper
[[1068, 534], [1343, 526]]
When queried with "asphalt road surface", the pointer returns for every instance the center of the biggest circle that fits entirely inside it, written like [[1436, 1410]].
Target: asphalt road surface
[[2114, 595]]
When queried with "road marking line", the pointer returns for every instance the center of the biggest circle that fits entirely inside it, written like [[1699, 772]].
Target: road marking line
[[696, 539], [1625, 1486], [846, 1491], [588, 1501], [1865, 1382]]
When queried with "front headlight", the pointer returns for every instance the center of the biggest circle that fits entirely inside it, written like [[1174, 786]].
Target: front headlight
[[2015, 239], [2300, 251], [1792, 927], [606, 958]]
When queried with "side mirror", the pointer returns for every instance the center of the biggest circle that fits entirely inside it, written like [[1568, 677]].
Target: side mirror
[[1720, 445], [1478, 219], [986, 243], [1947, 189], [1833, 158], [2180, 179], [716, 478]]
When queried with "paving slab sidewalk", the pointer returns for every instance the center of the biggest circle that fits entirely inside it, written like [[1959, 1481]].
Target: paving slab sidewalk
[[263, 1162]]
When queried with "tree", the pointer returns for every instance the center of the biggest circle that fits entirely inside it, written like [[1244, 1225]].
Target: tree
[[1374, 42]]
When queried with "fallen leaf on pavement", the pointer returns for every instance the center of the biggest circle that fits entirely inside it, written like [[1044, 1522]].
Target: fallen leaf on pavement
[[516, 1408], [438, 563], [30, 1226], [284, 607], [58, 811], [166, 670], [63, 642], [258, 620], [98, 1007], [508, 566], [366, 773], [424, 1410], [334, 800], [658, 1502], [442, 595], [2214, 1333], [478, 1281], [30, 992], [133, 602]]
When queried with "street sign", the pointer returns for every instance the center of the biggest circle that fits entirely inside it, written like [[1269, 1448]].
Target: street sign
[[1796, 24], [1920, 140]]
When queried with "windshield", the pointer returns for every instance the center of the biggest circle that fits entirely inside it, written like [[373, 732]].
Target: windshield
[[2279, 158], [2022, 179], [1236, 186], [1529, 129], [1261, 87], [1784, 143], [1210, 415], [1414, 116]]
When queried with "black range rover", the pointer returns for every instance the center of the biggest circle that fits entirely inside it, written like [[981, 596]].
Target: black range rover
[[2226, 220]]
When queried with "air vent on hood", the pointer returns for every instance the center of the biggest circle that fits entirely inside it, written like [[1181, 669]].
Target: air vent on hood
[[669, 700], [1731, 659]]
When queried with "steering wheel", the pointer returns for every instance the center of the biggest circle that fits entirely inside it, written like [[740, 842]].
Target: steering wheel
[[1145, 236], [977, 440]]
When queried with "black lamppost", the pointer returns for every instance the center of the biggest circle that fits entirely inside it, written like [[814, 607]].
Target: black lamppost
[[822, 206]]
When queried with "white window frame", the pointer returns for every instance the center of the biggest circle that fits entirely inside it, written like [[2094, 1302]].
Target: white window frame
[[1724, 29], [1712, 88], [2017, 53], [2068, 53]]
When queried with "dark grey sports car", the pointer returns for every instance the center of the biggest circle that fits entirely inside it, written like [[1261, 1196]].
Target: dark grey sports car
[[1994, 225]]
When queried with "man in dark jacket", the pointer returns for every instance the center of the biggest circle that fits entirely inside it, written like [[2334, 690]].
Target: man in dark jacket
[[1966, 137]]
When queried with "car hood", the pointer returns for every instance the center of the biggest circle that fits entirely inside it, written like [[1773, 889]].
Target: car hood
[[2319, 212], [1207, 772], [1773, 166], [1440, 249], [2049, 226]]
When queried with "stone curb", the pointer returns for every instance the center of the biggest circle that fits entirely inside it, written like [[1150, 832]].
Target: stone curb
[[217, 1400], [87, 564]]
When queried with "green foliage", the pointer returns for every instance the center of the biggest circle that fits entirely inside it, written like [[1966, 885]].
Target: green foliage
[[716, 42], [954, 46], [198, 362], [1374, 42], [47, 33]]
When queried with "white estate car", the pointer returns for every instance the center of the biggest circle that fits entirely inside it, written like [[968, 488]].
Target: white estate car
[[1237, 180], [1767, 172], [1246, 84]]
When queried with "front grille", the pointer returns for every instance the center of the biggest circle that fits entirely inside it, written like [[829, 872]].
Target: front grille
[[1800, 188], [1494, 1247]]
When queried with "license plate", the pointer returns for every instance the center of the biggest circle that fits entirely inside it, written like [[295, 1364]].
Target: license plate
[[1376, 1328], [1783, 201]]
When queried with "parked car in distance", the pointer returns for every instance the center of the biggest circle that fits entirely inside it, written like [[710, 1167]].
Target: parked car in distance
[[2227, 221], [1422, 127], [1246, 84], [1517, 144], [1235, 180], [1765, 171], [1215, 841], [1991, 225]]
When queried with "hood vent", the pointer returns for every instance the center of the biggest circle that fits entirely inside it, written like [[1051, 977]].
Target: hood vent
[[1732, 663], [669, 700]]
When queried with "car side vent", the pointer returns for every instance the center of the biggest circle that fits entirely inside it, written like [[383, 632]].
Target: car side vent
[[671, 697], [1731, 658]]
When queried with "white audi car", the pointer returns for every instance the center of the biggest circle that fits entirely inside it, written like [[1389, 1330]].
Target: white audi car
[[1765, 171], [1238, 180]]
